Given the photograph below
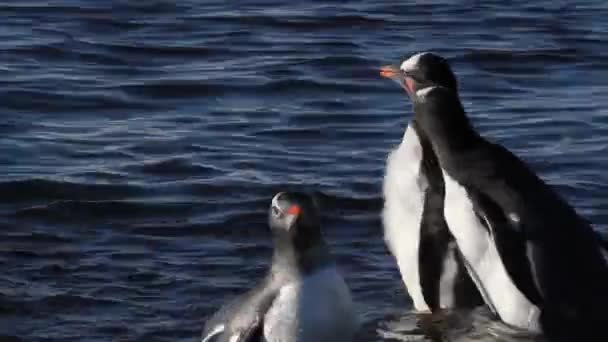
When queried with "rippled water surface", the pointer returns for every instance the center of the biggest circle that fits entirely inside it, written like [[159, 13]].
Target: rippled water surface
[[141, 143]]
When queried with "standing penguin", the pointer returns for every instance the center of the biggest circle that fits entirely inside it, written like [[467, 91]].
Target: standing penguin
[[537, 263], [415, 230], [303, 297]]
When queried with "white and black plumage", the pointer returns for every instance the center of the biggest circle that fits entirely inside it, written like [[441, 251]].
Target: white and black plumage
[[302, 298], [537, 263], [415, 230]]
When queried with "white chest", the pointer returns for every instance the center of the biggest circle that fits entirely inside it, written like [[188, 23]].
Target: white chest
[[404, 187], [318, 308], [479, 249]]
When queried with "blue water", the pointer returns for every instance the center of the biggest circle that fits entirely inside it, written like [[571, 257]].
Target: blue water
[[141, 143]]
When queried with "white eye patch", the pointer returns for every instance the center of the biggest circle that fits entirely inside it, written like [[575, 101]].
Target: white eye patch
[[412, 62], [275, 200]]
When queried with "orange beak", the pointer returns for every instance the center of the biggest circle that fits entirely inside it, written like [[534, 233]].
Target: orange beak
[[388, 71], [395, 74], [294, 210]]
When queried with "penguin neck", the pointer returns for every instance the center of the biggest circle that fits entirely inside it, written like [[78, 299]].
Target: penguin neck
[[298, 260], [429, 165], [450, 133]]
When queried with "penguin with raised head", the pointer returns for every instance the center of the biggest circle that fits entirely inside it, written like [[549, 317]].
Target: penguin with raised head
[[415, 230], [537, 263], [302, 298]]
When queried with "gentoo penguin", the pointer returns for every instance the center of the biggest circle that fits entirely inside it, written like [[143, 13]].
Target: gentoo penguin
[[415, 230], [302, 298], [538, 264]]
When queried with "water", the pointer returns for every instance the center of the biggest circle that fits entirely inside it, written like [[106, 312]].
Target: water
[[141, 143]]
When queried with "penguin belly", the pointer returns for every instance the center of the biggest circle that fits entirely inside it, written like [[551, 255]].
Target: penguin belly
[[319, 308], [483, 262], [404, 187]]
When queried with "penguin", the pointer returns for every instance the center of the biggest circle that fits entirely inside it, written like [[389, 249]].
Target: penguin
[[538, 264], [302, 298], [415, 230]]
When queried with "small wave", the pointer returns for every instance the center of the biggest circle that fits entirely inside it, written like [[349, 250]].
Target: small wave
[[341, 202], [113, 291], [63, 302], [292, 133], [144, 277], [295, 22], [72, 210], [114, 329], [68, 49], [164, 50], [521, 62], [38, 189], [221, 224], [41, 251], [173, 89], [35, 100], [10, 305], [177, 167], [198, 89], [37, 237], [98, 176], [342, 61], [87, 10], [296, 85]]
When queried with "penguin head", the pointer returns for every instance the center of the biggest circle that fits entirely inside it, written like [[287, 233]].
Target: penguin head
[[421, 71], [294, 214]]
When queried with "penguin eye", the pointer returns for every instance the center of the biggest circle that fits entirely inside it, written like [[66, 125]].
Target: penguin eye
[[275, 211]]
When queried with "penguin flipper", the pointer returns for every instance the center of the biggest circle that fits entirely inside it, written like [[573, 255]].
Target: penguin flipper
[[513, 247], [432, 249], [436, 245], [241, 320], [214, 334], [250, 333]]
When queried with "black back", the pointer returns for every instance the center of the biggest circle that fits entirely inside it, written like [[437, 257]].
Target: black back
[[551, 253]]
